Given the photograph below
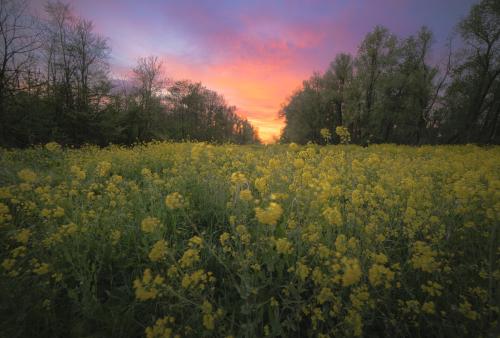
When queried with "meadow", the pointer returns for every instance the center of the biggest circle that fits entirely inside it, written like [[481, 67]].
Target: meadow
[[195, 240]]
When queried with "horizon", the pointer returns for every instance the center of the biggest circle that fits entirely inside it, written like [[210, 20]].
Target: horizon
[[255, 54]]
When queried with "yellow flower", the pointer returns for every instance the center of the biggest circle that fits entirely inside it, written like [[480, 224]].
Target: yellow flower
[[352, 271], [103, 168], [4, 213], [208, 321], [270, 215], [145, 289], [428, 307], [195, 241], [238, 178], [242, 231], [325, 134], [379, 258], [58, 212], [146, 173], [53, 146], [77, 172], [465, 308], [246, 195], [379, 274], [197, 279], [261, 184], [158, 251], [298, 163], [224, 238], [325, 295], [8, 263], [283, 246], [343, 133], [27, 175], [161, 329], [23, 236], [357, 198], [189, 257], [20, 251], [333, 216], [424, 258], [208, 317], [150, 224], [175, 201], [432, 288], [355, 321], [41, 269], [341, 243], [115, 236], [302, 271]]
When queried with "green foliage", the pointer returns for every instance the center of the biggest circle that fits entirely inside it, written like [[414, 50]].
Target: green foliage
[[60, 90], [391, 93], [248, 241]]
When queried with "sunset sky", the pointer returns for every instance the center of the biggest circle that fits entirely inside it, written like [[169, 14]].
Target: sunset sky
[[255, 53]]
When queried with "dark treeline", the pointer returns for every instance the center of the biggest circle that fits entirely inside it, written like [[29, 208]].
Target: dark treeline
[[391, 92], [55, 85]]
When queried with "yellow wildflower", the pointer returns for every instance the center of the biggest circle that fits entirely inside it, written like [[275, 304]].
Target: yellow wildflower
[[53, 146], [23, 236], [103, 168], [333, 216], [8, 263], [428, 307], [27, 175], [158, 251], [246, 195], [302, 271], [270, 215], [352, 271], [41, 269], [175, 201], [161, 328], [150, 224], [189, 257], [283, 246]]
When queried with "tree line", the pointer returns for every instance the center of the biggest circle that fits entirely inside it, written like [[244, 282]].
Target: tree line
[[56, 85], [391, 92]]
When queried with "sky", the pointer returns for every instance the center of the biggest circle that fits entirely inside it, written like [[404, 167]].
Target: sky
[[255, 53]]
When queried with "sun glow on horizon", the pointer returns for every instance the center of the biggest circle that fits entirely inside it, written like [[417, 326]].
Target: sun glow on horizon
[[253, 53]]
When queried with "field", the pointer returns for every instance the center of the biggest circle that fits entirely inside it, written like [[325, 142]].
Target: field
[[195, 240]]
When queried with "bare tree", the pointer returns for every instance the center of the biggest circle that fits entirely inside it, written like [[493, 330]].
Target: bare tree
[[18, 41], [147, 74], [149, 82], [60, 69], [90, 54]]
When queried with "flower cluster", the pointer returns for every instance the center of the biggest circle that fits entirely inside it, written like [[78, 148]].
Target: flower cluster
[[282, 240]]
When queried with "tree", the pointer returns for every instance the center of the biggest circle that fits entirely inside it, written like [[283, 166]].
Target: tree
[[414, 80], [472, 98], [18, 42], [90, 53], [337, 82], [376, 60], [77, 82], [149, 84], [306, 112]]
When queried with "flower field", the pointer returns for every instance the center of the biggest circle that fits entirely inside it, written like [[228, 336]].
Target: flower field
[[195, 240]]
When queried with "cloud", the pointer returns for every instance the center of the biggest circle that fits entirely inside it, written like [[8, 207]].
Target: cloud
[[255, 53]]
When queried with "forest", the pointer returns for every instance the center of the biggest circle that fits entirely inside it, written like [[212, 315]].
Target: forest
[[396, 90], [56, 85]]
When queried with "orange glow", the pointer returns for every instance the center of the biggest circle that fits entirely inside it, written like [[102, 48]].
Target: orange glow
[[257, 90]]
